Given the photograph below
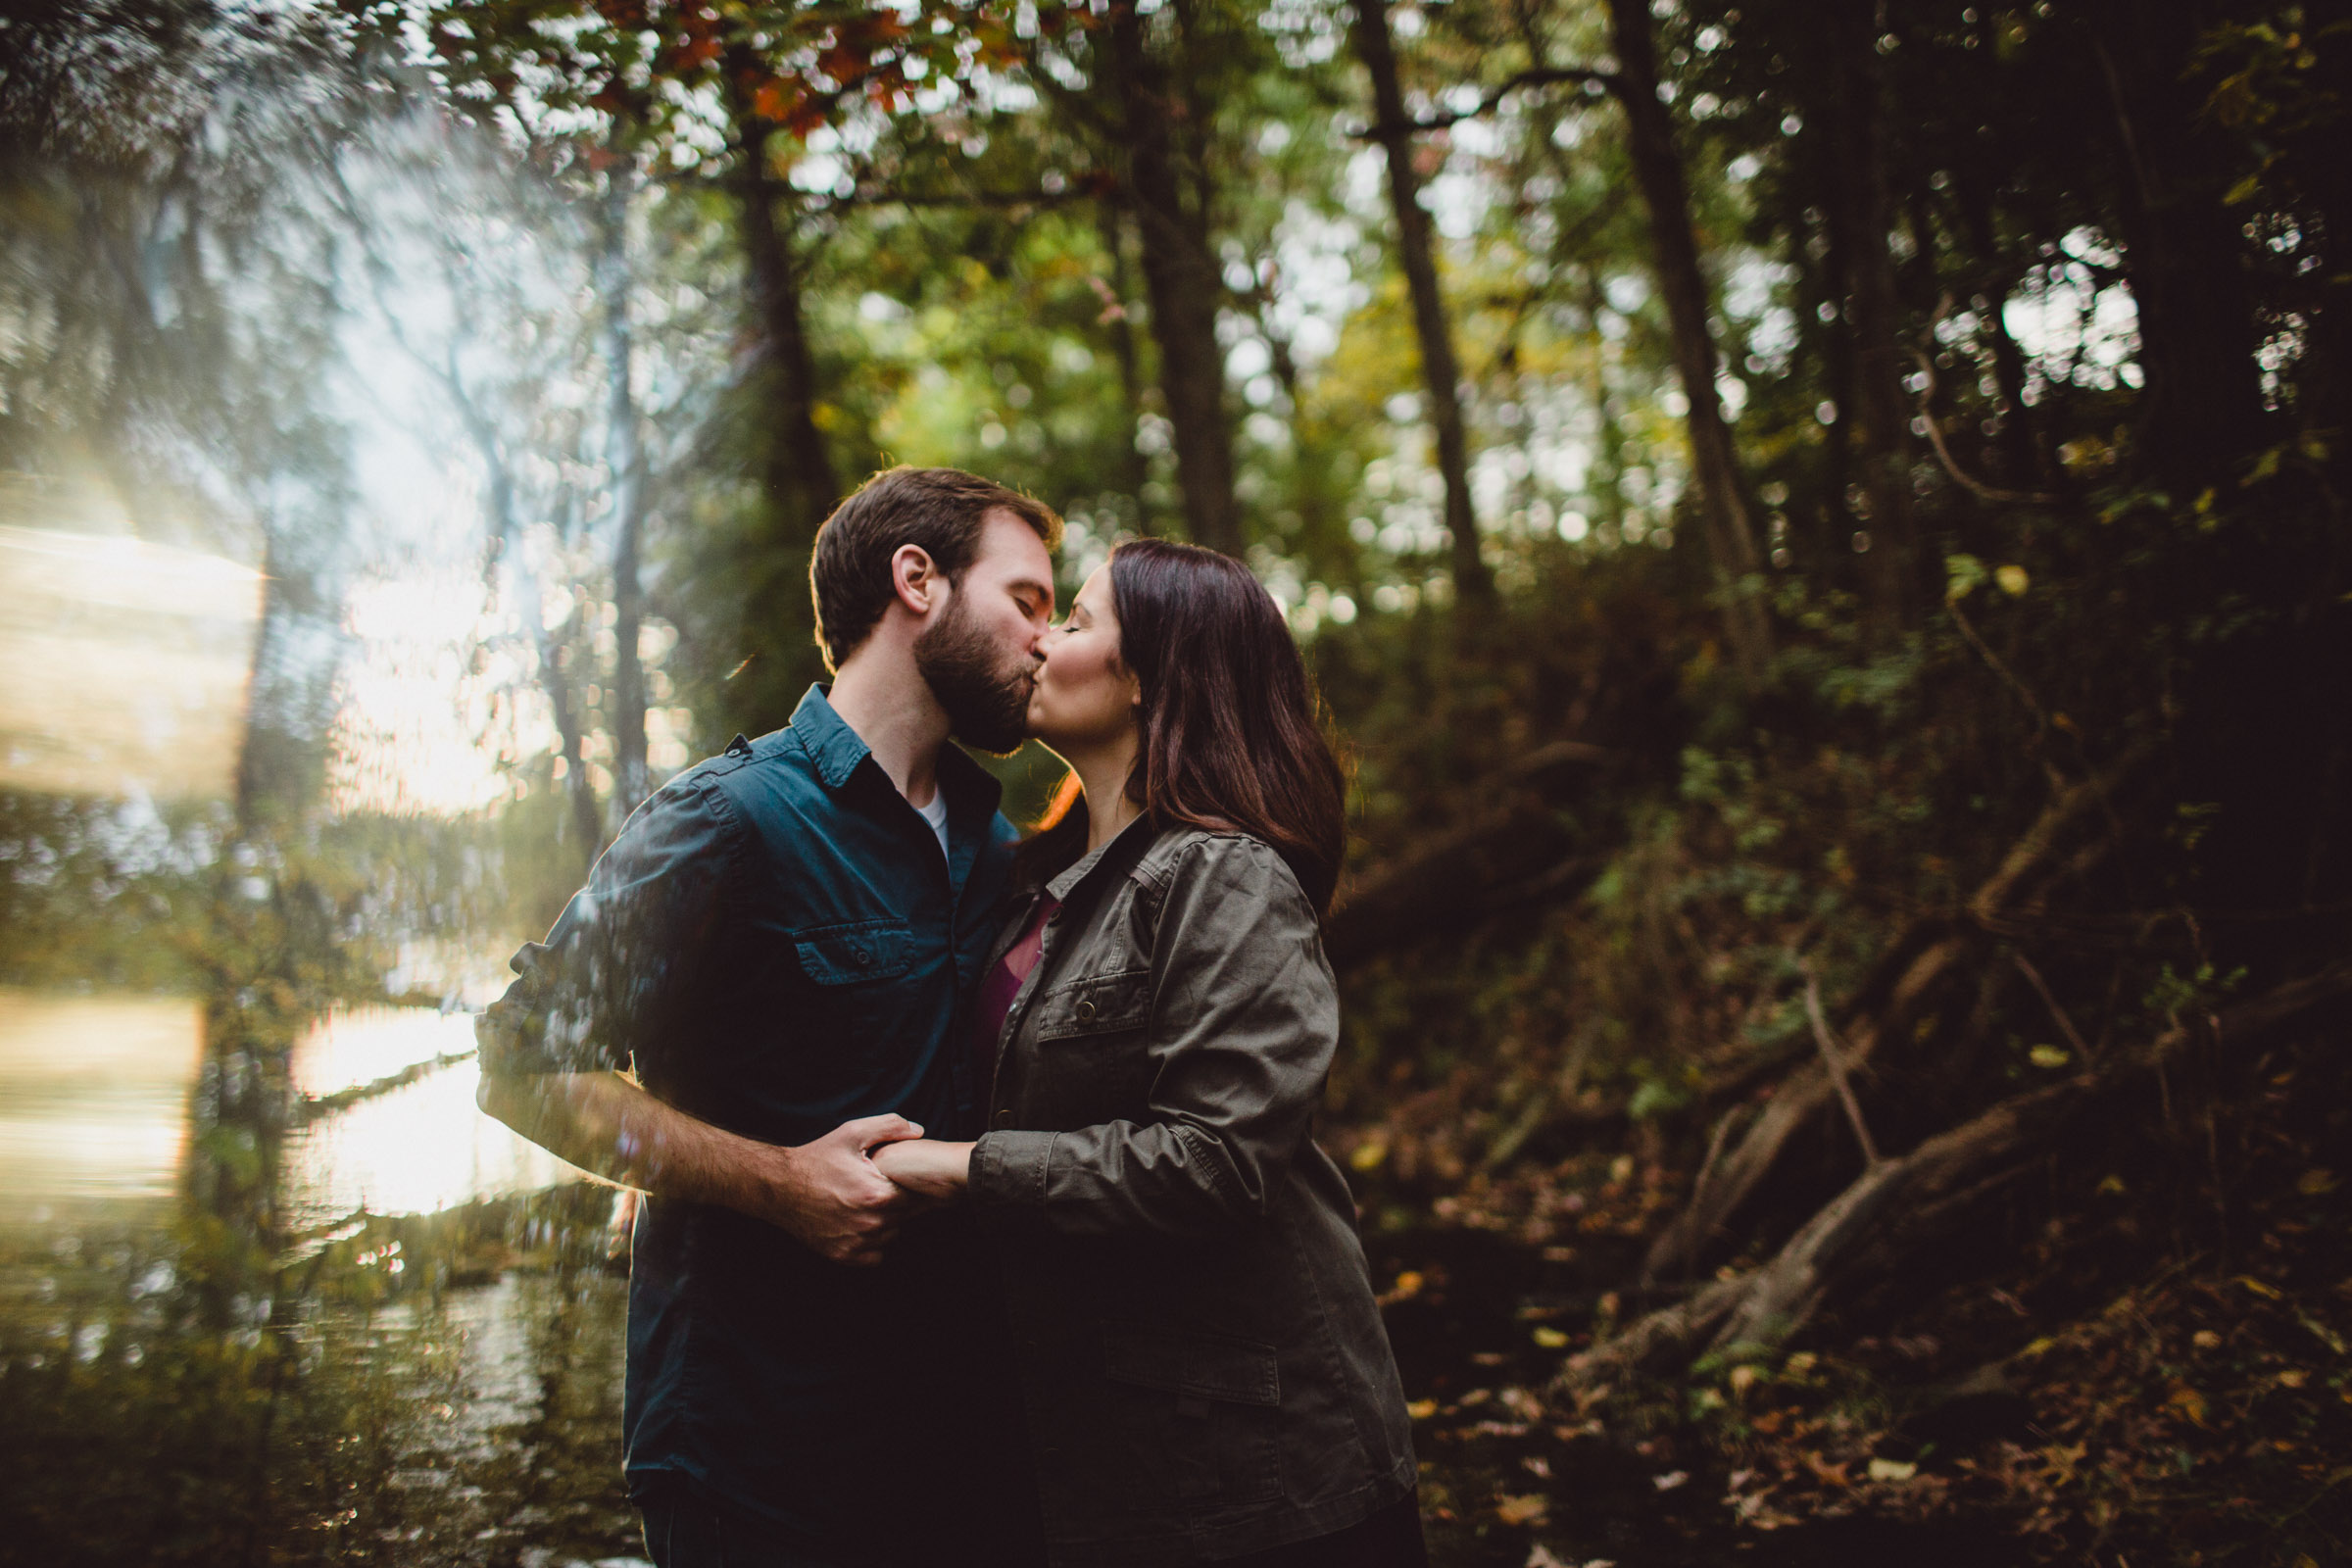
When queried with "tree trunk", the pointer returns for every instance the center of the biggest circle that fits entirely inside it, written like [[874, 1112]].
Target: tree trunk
[[554, 678], [2201, 412], [797, 473], [1440, 372], [1881, 416], [506, 523], [624, 455], [1135, 470], [1723, 501], [1180, 278]]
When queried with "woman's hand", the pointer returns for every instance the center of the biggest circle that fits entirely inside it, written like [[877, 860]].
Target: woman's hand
[[925, 1166]]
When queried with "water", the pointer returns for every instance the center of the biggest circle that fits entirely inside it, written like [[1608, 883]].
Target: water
[[409, 1353], [94, 1106], [415, 1149]]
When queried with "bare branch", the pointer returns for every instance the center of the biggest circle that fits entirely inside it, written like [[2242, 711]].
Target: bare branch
[[2024, 966], [1541, 76], [1829, 1057]]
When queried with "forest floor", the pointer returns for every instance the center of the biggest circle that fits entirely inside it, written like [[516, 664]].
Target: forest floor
[[2096, 1396]]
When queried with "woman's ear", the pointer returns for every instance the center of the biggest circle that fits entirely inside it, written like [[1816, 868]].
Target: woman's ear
[[915, 578]]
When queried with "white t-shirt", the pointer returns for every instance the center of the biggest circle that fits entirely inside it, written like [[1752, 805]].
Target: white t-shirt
[[936, 814]]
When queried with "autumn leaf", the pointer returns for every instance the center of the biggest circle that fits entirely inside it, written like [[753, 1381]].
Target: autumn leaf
[[2189, 1402], [775, 99], [1526, 1509], [843, 64]]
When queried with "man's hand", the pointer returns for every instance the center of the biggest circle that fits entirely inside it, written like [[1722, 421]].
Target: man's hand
[[828, 1193]]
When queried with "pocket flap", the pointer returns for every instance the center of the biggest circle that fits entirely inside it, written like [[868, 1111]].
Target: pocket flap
[[1096, 1004], [861, 949], [1208, 1366]]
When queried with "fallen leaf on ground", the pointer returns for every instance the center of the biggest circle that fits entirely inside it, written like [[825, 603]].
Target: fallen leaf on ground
[[1526, 1509], [1893, 1470], [1670, 1479]]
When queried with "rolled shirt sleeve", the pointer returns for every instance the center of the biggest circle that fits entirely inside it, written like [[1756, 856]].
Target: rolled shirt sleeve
[[1245, 1023], [619, 962]]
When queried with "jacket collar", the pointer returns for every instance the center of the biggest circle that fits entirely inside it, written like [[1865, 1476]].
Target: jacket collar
[[1128, 843]]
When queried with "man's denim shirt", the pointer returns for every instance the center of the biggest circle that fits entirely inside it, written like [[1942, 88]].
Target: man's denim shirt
[[774, 946]]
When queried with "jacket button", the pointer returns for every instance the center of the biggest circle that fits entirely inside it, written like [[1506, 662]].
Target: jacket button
[[1005, 1116], [863, 956], [1086, 1012]]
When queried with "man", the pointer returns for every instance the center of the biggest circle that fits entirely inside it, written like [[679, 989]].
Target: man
[[777, 944]]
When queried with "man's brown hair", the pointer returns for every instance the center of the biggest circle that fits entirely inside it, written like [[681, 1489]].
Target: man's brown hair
[[939, 511]]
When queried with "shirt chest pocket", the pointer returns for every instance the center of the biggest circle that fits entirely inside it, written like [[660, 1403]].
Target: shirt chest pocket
[[855, 953]]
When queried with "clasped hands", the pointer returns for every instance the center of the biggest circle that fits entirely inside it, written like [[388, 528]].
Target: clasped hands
[[846, 1195]]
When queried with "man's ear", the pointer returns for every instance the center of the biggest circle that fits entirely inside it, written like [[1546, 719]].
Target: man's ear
[[916, 579]]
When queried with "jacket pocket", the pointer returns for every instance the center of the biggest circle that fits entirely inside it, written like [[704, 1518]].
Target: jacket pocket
[[855, 952], [1205, 1410], [1098, 1004]]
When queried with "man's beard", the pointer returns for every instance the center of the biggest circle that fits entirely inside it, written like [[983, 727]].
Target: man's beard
[[985, 694]]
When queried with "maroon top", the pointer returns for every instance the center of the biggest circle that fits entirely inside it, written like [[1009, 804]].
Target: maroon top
[[1003, 983]]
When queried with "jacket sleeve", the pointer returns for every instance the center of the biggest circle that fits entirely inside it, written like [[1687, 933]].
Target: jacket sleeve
[[1244, 1024], [623, 956]]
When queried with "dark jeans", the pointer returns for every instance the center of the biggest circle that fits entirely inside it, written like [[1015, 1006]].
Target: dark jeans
[[686, 1527], [1389, 1539]]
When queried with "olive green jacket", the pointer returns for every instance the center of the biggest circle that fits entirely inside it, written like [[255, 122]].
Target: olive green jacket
[[1204, 1367]]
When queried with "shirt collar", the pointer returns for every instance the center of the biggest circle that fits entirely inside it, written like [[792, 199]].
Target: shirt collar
[[827, 738], [834, 747]]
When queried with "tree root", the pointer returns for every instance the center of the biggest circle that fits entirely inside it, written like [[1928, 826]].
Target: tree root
[[1923, 1191], [1809, 1091]]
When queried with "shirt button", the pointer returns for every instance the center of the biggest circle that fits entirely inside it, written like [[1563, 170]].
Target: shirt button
[[863, 956]]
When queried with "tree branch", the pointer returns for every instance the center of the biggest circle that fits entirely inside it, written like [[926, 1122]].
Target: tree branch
[[1541, 76], [1829, 1057]]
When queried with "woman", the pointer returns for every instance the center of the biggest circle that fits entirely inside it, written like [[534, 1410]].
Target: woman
[[1202, 1364]]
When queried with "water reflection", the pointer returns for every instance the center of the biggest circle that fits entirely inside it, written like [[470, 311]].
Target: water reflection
[[94, 1104], [412, 1148], [93, 1096]]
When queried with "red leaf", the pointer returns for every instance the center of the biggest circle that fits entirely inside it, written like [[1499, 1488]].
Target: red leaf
[[843, 63], [775, 99]]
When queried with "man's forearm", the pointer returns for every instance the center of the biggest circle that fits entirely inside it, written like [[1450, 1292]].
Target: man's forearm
[[605, 1124], [826, 1192]]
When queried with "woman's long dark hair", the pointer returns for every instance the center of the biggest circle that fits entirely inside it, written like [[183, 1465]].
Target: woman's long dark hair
[[1231, 734]]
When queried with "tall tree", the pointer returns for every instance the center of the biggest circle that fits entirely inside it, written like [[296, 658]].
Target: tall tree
[[1862, 217], [630, 477], [1722, 496], [1441, 371], [1158, 138]]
